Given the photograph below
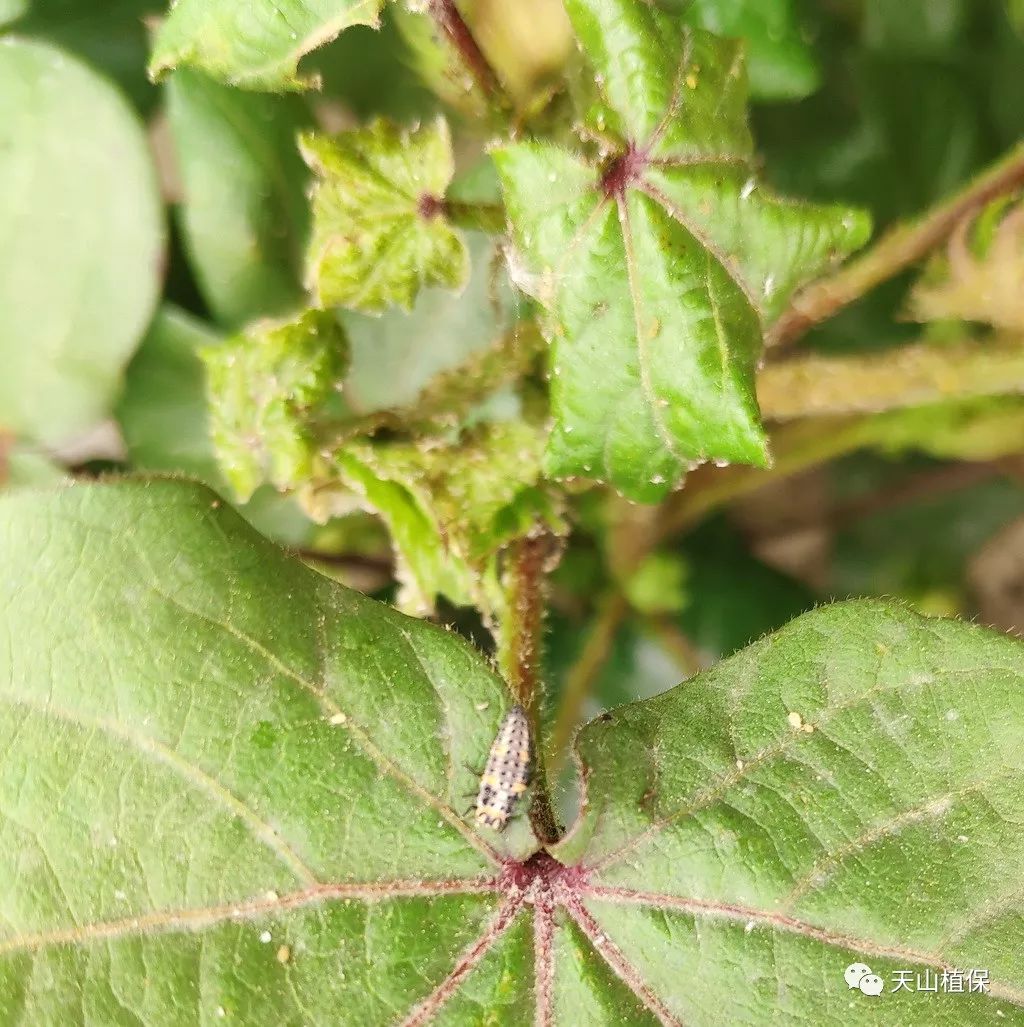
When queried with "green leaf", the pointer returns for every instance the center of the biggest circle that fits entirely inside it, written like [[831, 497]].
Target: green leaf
[[836, 793], [660, 263], [81, 222], [268, 389], [379, 229], [243, 751], [244, 212], [782, 66], [163, 410], [260, 776], [253, 43], [111, 37]]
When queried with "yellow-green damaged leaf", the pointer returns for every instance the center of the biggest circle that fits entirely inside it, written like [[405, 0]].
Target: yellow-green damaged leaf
[[661, 260], [253, 43], [269, 389], [451, 505], [380, 233]]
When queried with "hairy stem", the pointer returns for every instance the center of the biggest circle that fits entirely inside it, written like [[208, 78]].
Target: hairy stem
[[820, 386], [519, 640], [899, 248], [676, 643], [449, 19], [583, 674], [480, 217]]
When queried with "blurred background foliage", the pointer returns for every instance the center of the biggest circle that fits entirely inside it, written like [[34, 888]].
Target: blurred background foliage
[[891, 105]]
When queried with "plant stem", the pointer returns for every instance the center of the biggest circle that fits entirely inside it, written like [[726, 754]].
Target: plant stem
[[449, 19], [677, 644], [583, 674], [909, 376], [6, 445], [481, 217], [519, 639], [900, 247]]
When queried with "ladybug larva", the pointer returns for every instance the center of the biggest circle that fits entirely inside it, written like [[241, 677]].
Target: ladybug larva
[[507, 773]]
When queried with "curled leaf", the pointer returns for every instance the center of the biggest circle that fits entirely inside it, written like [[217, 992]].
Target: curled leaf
[[253, 43], [452, 505], [981, 277], [269, 387]]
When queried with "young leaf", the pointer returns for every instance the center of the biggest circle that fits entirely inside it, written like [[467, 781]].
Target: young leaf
[[82, 237], [379, 229], [253, 43], [164, 418], [660, 262], [266, 772], [268, 388], [244, 213]]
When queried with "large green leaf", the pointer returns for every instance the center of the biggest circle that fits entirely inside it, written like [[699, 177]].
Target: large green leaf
[[253, 43], [380, 232], [839, 792], [82, 234], [661, 261], [244, 212], [232, 791], [111, 37]]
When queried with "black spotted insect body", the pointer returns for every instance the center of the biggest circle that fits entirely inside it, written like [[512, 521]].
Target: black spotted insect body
[[507, 773]]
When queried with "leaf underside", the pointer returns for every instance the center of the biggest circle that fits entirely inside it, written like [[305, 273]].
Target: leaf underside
[[233, 790], [256, 44], [659, 260]]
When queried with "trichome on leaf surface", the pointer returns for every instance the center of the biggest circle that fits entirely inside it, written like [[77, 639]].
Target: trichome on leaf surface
[[511, 357]]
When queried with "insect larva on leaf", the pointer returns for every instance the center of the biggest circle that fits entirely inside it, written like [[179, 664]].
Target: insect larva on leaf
[[507, 773]]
